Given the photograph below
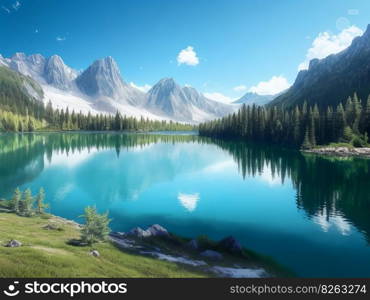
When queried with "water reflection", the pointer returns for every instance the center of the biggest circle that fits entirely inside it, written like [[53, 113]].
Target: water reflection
[[333, 192], [189, 201]]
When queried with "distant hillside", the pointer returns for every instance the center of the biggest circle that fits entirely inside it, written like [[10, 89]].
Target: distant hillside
[[333, 79], [254, 98], [19, 93]]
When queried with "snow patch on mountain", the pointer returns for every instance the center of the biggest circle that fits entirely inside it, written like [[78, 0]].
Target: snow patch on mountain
[[85, 104]]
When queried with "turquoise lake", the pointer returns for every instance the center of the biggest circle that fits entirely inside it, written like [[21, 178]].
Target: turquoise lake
[[309, 213]]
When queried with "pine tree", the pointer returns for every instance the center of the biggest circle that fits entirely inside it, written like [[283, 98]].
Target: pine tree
[[311, 130], [367, 117], [306, 141], [40, 205], [347, 134], [356, 111], [340, 122], [296, 126], [15, 201], [96, 226], [30, 126], [27, 203]]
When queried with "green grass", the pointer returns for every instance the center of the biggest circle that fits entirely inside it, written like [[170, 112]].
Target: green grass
[[45, 253]]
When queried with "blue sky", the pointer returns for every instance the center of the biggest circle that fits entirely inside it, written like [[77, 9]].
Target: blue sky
[[228, 46]]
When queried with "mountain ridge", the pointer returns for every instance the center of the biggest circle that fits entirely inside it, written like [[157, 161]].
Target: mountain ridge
[[253, 98], [331, 80], [183, 102]]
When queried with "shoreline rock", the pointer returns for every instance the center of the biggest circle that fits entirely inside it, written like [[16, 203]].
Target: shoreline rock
[[231, 245], [341, 151], [224, 258], [152, 231], [13, 244], [211, 254]]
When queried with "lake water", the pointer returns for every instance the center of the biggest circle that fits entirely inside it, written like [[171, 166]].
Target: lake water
[[309, 213]]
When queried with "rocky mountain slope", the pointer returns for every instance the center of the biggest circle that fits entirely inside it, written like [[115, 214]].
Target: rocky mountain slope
[[167, 98], [333, 79]]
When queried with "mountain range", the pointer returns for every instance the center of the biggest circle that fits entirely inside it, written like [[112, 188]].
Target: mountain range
[[333, 79], [101, 88]]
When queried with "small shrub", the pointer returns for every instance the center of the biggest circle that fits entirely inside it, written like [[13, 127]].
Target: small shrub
[[348, 134], [357, 142], [96, 226]]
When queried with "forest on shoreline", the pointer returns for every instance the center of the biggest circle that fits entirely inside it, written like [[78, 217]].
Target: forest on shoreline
[[303, 126]]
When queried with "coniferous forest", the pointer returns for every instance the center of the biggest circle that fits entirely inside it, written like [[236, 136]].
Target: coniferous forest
[[19, 112], [303, 126], [38, 117]]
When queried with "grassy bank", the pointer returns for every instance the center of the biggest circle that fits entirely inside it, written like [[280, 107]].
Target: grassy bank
[[45, 253]]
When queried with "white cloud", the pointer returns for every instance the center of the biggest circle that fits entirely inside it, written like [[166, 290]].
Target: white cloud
[[353, 12], [16, 5], [189, 201], [326, 43], [268, 177], [220, 166], [60, 38], [144, 88], [240, 88], [218, 97], [188, 56], [326, 221], [6, 9], [273, 86]]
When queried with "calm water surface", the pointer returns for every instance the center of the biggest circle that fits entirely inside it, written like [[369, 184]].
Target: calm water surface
[[309, 213]]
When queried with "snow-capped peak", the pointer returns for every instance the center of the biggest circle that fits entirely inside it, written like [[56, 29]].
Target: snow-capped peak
[[19, 56], [183, 103], [101, 78], [59, 75]]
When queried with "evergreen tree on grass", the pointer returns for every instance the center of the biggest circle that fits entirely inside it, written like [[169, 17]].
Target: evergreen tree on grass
[[27, 204], [15, 201], [96, 226], [347, 134], [40, 205]]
